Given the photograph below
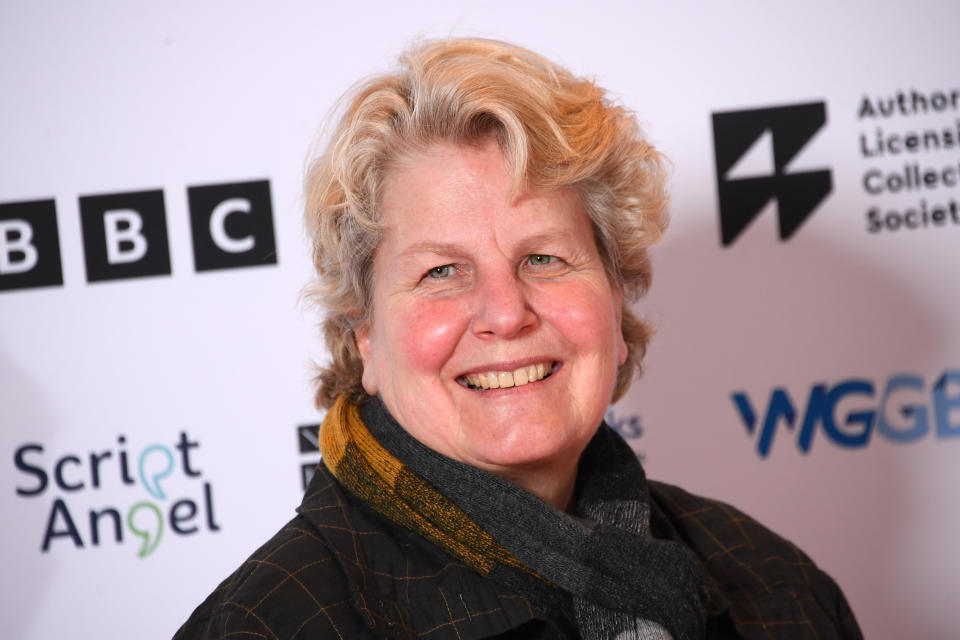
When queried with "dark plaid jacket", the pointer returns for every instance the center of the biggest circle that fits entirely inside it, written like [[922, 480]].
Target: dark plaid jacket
[[340, 570]]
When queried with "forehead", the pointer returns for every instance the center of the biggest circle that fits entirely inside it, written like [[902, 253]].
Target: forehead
[[452, 192]]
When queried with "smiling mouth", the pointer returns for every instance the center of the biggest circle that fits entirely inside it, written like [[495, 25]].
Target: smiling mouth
[[504, 379]]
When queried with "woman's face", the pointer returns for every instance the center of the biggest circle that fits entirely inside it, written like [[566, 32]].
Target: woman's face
[[470, 285]]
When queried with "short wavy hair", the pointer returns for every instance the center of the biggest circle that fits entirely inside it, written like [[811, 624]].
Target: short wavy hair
[[554, 129]]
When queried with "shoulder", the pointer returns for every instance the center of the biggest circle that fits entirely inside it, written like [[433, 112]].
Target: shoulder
[[292, 586], [713, 527], [763, 576], [340, 570]]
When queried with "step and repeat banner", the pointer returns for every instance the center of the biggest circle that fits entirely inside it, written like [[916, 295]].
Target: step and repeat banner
[[156, 355]]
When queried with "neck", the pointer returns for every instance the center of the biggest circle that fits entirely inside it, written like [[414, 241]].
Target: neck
[[548, 482], [552, 481]]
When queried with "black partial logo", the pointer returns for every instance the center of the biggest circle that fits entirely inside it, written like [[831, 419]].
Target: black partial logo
[[29, 245], [124, 235], [308, 440], [232, 225], [797, 194]]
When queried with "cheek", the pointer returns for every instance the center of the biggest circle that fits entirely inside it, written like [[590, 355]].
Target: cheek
[[586, 317], [427, 334]]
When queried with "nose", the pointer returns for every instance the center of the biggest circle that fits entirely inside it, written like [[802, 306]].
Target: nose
[[503, 308]]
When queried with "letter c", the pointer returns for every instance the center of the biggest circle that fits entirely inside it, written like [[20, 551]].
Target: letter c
[[218, 231], [949, 177], [58, 474], [910, 219], [867, 185]]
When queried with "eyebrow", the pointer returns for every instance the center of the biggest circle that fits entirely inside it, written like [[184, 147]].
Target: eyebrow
[[436, 248], [458, 250], [546, 238]]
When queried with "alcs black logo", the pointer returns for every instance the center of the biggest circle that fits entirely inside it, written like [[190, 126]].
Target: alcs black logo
[[797, 194], [308, 439], [125, 234]]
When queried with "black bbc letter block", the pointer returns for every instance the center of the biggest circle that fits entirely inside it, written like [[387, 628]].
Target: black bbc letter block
[[29, 245], [125, 235], [232, 225]]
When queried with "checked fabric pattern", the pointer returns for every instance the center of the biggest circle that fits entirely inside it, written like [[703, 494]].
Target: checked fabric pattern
[[341, 571], [760, 583]]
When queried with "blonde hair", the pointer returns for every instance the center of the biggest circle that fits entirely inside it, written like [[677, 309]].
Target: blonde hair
[[554, 129]]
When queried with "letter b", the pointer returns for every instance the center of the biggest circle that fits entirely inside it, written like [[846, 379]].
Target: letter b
[[29, 245], [124, 235], [18, 251], [123, 231]]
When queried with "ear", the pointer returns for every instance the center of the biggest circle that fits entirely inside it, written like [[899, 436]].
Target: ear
[[621, 349], [369, 377], [621, 344]]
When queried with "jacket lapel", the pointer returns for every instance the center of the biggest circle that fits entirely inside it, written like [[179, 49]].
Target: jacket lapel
[[404, 586]]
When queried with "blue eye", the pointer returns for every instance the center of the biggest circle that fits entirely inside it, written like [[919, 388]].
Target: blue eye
[[538, 259], [441, 272]]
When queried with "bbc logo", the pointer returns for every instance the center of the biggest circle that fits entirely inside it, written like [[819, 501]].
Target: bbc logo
[[125, 234]]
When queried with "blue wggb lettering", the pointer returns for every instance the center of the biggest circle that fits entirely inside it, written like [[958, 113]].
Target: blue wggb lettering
[[896, 418]]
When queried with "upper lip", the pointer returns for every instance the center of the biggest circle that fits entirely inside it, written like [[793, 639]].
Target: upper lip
[[511, 365]]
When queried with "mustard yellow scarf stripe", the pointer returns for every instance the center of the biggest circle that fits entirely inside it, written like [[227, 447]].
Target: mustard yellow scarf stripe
[[370, 472]]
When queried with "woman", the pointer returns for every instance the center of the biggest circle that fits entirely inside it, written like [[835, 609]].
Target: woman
[[480, 224]]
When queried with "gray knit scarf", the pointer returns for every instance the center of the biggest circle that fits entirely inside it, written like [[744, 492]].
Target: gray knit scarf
[[601, 563]]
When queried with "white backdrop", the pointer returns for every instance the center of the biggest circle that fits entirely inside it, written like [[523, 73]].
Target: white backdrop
[[168, 406]]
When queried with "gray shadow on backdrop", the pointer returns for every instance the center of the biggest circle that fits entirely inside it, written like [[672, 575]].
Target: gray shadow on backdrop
[[807, 304], [27, 571]]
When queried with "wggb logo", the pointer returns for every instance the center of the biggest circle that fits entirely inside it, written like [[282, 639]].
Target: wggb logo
[[744, 192], [125, 234], [849, 412], [149, 512]]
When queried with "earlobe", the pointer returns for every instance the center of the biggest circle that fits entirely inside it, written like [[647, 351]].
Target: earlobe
[[368, 379], [621, 348]]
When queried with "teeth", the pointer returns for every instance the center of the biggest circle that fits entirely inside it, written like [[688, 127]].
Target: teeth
[[506, 379], [520, 377]]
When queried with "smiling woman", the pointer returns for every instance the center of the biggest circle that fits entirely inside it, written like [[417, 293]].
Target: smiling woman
[[520, 284], [481, 220]]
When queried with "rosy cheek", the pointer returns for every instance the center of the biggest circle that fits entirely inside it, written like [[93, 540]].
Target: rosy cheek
[[430, 332], [581, 313]]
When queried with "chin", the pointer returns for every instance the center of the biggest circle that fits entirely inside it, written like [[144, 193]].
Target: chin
[[526, 448]]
